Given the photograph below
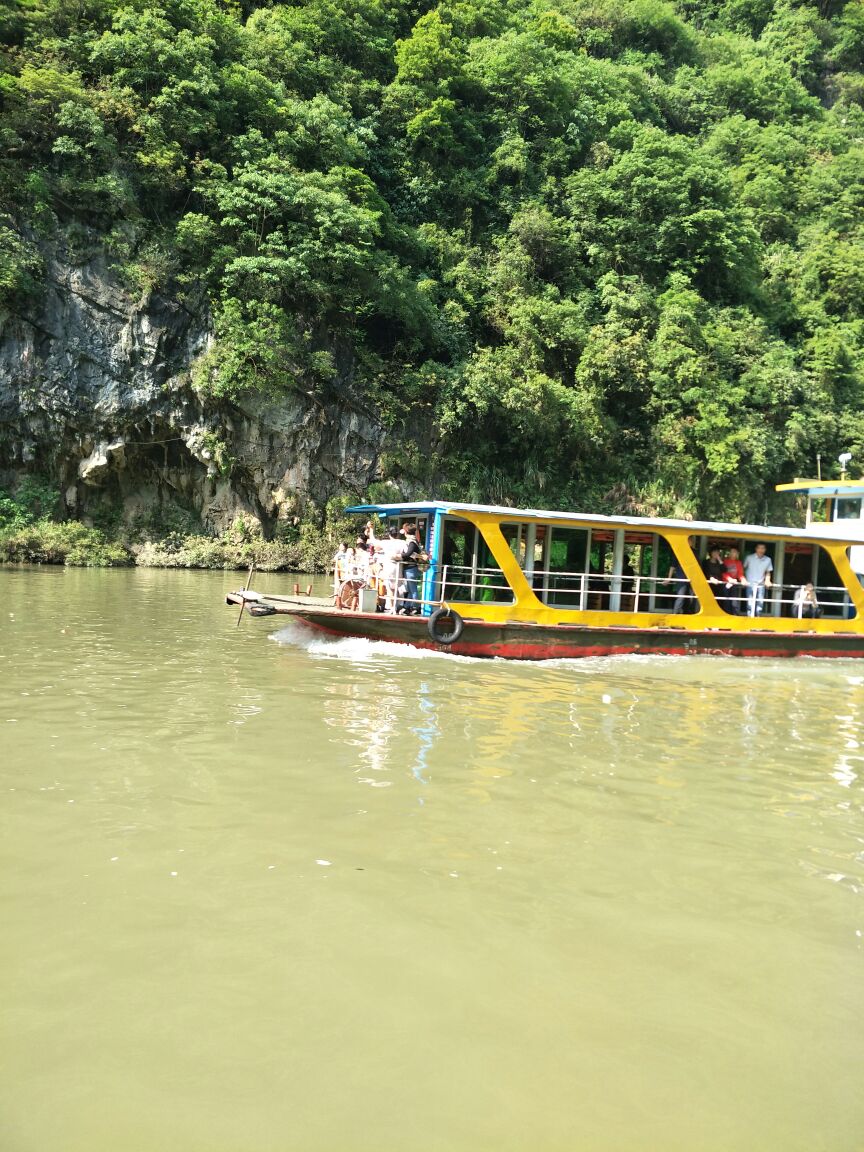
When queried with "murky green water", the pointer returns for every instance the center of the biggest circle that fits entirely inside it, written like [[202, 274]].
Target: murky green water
[[260, 897]]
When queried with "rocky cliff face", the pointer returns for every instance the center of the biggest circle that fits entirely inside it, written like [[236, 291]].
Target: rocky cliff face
[[95, 394]]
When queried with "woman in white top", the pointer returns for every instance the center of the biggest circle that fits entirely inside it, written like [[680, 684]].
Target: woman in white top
[[391, 552], [359, 568], [339, 569]]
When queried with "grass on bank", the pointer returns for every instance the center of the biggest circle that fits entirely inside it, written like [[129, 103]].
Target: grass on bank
[[30, 534]]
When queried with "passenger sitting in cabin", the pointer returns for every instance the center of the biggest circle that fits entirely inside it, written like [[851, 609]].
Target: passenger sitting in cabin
[[734, 580], [715, 573], [804, 603], [758, 567]]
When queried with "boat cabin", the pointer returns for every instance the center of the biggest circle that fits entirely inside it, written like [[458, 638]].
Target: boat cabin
[[557, 567], [830, 501]]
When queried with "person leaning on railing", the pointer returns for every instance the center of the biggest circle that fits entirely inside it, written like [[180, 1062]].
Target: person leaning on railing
[[805, 604], [715, 574], [735, 581], [758, 567]]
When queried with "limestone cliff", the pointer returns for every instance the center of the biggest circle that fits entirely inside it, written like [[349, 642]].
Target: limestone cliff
[[95, 393]]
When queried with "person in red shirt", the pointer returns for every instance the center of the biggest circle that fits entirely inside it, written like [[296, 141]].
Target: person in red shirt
[[735, 581]]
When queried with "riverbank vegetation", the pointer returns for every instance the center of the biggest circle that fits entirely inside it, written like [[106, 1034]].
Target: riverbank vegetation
[[604, 253], [31, 533]]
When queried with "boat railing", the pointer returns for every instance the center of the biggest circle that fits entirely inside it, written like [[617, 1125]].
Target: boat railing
[[629, 593], [474, 583]]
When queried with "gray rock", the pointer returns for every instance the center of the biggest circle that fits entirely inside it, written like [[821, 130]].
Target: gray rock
[[95, 393]]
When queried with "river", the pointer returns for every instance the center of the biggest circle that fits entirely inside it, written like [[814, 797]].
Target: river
[[265, 893]]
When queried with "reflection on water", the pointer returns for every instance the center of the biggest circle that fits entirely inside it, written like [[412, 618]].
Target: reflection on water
[[325, 894]]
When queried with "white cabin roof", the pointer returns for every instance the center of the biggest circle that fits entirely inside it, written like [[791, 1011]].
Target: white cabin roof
[[832, 532]]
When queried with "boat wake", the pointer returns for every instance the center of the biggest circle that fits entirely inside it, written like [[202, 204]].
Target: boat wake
[[358, 649]]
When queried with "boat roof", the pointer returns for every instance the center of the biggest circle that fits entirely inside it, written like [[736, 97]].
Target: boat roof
[[824, 488], [639, 523]]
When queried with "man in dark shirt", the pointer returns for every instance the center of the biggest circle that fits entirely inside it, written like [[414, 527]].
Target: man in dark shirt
[[410, 605], [684, 600]]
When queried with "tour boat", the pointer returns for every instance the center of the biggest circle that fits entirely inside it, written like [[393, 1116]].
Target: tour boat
[[537, 585]]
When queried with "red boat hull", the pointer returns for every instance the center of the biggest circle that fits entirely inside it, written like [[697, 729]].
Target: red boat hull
[[514, 641]]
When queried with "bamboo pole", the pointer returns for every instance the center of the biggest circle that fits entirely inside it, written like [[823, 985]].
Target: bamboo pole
[[245, 589]]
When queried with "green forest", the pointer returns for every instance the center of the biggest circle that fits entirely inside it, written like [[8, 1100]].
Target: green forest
[[598, 254]]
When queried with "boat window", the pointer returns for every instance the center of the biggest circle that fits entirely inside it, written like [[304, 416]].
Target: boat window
[[732, 598], [566, 581], [799, 564], [514, 536], [796, 564], [658, 560], [491, 585], [603, 570], [847, 509], [422, 523], [834, 600], [599, 570], [469, 571], [457, 558]]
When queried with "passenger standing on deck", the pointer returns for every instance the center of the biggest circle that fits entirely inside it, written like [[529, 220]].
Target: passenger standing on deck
[[391, 549], [715, 573], [360, 567], [344, 595], [356, 565], [734, 580], [410, 606], [684, 593], [339, 568], [758, 567]]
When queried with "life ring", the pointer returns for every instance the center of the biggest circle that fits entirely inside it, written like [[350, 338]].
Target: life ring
[[455, 632]]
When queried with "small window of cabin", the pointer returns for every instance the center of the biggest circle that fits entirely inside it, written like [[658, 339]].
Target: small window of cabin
[[847, 508], [420, 522]]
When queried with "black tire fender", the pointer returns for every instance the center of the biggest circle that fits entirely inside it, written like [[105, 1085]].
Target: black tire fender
[[457, 625]]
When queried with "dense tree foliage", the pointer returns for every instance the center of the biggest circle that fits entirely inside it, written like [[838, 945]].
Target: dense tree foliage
[[590, 250]]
